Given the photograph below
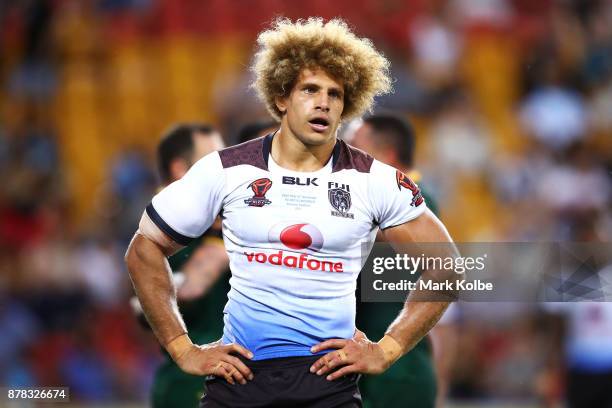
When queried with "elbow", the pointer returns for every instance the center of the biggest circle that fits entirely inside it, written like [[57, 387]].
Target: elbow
[[131, 257], [127, 258], [127, 255]]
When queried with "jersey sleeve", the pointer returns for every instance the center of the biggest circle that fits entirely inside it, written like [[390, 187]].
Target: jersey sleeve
[[394, 197], [185, 209]]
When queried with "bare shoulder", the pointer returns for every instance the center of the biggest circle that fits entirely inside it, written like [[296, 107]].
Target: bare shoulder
[[149, 230]]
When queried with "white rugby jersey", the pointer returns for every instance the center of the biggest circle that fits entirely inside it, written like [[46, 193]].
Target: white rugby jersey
[[293, 238]]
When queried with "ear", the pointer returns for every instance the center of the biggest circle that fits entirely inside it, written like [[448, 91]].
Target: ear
[[392, 157], [178, 168], [281, 103]]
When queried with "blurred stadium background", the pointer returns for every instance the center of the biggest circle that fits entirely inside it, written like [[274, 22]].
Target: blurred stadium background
[[511, 100]]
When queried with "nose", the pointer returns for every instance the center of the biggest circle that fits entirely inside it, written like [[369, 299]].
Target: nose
[[323, 102]]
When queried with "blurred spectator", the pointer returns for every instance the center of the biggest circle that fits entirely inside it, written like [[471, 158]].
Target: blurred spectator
[[554, 115], [597, 64], [19, 330], [601, 108], [131, 175], [235, 103], [460, 138], [576, 192], [98, 262], [132, 185], [436, 45], [588, 355], [35, 78], [493, 13], [410, 94]]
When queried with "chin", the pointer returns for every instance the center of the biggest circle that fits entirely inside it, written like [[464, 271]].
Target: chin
[[311, 138]]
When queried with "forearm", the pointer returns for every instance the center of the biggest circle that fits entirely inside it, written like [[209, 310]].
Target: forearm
[[415, 320], [152, 280], [423, 308]]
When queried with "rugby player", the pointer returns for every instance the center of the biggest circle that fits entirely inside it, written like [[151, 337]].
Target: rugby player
[[412, 381], [197, 269], [296, 206]]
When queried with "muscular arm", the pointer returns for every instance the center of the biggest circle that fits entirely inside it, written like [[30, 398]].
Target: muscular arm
[[151, 277], [418, 316], [152, 280]]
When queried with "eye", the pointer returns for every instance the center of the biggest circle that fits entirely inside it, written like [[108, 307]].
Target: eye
[[310, 89], [335, 94]]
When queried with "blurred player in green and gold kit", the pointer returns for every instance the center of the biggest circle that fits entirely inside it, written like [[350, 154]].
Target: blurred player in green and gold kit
[[199, 270], [412, 381]]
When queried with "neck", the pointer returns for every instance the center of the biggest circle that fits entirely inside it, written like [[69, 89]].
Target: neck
[[291, 153]]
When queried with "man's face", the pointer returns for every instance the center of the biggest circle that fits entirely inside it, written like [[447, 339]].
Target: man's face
[[204, 144], [365, 139], [314, 107]]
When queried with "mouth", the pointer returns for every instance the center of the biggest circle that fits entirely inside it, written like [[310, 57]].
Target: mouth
[[319, 125]]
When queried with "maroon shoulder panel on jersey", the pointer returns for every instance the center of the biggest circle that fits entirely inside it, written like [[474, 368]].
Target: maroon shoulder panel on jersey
[[255, 153], [251, 153], [351, 158]]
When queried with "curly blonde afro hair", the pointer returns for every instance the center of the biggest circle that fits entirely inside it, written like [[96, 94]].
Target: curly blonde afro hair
[[287, 48]]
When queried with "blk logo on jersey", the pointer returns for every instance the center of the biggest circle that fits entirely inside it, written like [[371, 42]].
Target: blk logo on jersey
[[260, 187], [340, 198], [307, 181], [404, 181]]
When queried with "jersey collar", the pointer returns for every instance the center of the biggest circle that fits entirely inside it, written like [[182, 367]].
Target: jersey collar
[[267, 146]]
